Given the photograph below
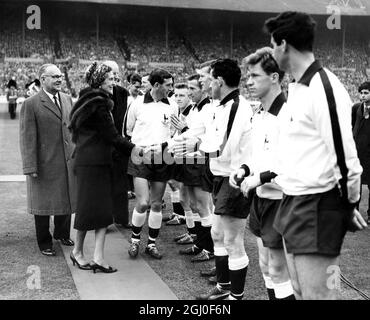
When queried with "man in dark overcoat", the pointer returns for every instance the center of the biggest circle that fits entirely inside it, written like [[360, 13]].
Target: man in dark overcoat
[[46, 150], [361, 133]]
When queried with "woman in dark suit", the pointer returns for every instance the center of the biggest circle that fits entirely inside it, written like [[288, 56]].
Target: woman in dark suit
[[96, 137]]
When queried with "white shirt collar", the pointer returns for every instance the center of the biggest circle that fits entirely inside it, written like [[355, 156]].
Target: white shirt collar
[[51, 96]]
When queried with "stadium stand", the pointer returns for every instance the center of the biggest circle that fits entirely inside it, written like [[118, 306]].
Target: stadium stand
[[143, 38]]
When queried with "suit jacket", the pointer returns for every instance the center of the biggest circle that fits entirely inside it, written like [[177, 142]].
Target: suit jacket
[[354, 113], [120, 162], [46, 149], [120, 96], [361, 134]]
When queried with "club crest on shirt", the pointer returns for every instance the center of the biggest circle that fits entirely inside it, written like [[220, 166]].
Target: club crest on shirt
[[166, 119]]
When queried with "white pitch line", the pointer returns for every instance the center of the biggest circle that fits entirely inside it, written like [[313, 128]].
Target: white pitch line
[[12, 178]]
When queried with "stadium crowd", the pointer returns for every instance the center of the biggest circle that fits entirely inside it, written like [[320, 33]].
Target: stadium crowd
[[188, 51]]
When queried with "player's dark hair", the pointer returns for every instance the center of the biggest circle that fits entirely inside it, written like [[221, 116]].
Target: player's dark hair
[[228, 69], [364, 86], [158, 75], [134, 77], [296, 28], [181, 85]]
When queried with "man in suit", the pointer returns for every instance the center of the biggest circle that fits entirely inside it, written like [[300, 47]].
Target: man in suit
[[46, 150], [120, 162], [361, 133]]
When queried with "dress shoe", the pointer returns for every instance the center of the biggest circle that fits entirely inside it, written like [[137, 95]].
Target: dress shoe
[[66, 242], [215, 293], [191, 251], [203, 256], [208, 273], [48, 252], [86, 266], [133, 251], [95, 266], [153, 252]]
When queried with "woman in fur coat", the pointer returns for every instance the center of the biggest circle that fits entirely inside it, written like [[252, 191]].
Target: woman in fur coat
[[96, 137]]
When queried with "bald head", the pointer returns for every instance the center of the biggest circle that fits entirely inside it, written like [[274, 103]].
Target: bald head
[[113, 65], [51, 78], [44, 68]]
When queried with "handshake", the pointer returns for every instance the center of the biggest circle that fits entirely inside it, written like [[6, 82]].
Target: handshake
[[182, 147], [164, 152]]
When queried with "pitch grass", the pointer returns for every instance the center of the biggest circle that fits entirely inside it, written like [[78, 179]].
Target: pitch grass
[[20, 256]]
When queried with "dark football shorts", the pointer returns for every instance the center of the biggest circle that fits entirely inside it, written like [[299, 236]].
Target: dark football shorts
[[261, 219], [195, 174], [229, 201], [314, 223]]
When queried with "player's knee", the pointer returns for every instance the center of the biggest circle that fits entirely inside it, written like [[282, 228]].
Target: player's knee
[[233, 247], [278, 272], [263, 263], [185, 204], [142, 205], [217, 237], [202, 205], [193, 207], [156, 206]]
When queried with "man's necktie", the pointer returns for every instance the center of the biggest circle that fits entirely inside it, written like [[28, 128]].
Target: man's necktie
[[56, 102], [366, 112]]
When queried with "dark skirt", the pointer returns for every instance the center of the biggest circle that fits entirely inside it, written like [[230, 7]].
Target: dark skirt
[[94, 197]]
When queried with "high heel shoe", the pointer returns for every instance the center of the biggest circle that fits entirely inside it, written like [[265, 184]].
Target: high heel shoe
[[95, 266], [86, 266]]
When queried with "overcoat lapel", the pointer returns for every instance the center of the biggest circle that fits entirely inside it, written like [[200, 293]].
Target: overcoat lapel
[[47, 103]]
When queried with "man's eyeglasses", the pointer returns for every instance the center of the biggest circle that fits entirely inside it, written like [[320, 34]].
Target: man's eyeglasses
[[55, 77]]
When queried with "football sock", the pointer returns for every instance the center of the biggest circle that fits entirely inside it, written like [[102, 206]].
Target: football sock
[[238, 270]]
